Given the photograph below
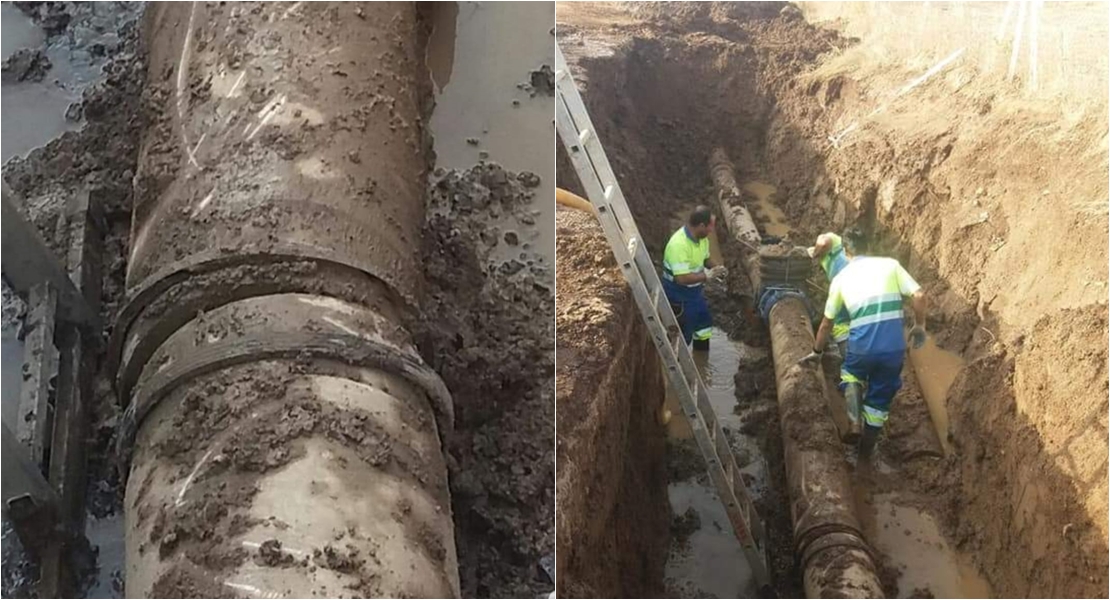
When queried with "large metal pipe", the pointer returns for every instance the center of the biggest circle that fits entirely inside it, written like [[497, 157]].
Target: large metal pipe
[[836, 560], [284, 434]]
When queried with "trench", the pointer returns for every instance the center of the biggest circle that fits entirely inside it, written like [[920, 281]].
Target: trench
[[663, 88]]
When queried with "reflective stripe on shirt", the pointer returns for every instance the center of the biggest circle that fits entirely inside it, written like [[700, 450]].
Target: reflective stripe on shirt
[[684, 255], [871, 289]]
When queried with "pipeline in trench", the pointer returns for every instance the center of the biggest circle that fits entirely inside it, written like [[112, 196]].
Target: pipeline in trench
[[892, 537], [1016, 481]]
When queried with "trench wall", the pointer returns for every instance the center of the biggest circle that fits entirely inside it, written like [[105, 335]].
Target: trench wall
[[611, 485], [994, 194]]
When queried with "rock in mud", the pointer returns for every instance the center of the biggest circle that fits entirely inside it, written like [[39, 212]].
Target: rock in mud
[[25, 65]]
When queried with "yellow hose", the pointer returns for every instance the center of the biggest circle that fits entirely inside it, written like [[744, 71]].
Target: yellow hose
[[574, 201]]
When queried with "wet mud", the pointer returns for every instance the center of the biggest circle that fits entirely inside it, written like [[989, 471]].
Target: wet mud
[[487, 330], [76, 131]]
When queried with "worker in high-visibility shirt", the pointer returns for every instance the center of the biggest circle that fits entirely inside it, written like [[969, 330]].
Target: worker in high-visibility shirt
[[686, 267], [829, 253], [872, 289]]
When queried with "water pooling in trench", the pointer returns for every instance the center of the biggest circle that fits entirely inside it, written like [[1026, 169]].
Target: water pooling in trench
[[936, 369], [705, 560], [913, 543], [709, 560], [481, 56]]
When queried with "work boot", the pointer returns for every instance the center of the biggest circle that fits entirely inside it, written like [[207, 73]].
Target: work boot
[[867, 441], [701, 345], [853, 399]]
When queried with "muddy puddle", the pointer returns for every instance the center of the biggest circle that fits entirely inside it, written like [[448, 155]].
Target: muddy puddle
[[34, 111], [772, 221], [481, 56], [705, 559], [914, 545], [936, 369]]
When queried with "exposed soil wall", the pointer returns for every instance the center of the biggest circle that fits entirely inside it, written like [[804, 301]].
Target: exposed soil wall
[[613, 513], [993, 199], [997, 203]]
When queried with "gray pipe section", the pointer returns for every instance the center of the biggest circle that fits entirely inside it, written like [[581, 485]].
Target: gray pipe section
[[836, 560], [284, 434]]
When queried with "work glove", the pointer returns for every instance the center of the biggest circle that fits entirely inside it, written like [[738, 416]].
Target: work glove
[[812, 358], [719, 272], [917, 336]]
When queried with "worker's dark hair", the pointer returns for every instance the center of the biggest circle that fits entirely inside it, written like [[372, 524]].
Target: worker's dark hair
[[855, 241], [701, 216]]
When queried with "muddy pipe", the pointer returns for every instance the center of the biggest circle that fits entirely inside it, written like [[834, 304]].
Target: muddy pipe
[[836, 560], [282, 434]]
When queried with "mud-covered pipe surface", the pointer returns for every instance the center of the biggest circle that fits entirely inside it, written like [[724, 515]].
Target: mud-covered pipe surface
[[836, 560], [284, 434], [735, 214]]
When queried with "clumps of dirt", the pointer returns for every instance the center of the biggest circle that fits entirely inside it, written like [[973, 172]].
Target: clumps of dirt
[[211, 405], [270, 554], [225, 462], [684, 460], [760, 414], [53, 17], [684, 525], [342, 560], [488, 330], [182, 582], [541, 81], [27, 64], [200, 527]]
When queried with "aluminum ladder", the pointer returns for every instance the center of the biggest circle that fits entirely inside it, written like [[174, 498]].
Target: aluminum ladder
[[584, 149]]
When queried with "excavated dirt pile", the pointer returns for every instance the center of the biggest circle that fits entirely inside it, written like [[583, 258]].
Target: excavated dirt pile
[[993, 197]]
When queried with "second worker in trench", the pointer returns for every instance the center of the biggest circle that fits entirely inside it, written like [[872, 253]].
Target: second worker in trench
[[870, 291]]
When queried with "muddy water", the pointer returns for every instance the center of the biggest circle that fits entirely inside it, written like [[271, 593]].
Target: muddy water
[[936, 369], [913, 543], [107, 536], [711, 562], [34, 112], [479, 54], [771, 219]]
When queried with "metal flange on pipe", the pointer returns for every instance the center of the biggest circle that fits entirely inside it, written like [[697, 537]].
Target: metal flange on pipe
[[282, 436]]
